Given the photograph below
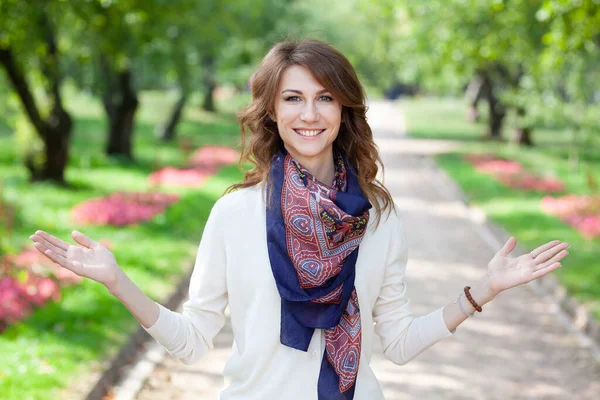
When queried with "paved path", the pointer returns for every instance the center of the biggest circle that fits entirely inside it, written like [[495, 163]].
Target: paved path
[[516, 349]]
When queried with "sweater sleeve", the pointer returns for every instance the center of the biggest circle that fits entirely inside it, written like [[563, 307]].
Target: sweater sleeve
[[403, 336], [189, 335]]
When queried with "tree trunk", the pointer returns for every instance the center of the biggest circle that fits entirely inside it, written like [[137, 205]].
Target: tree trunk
[[210, 84], [523, 131], [497, 111], [57, 151], [122, 118], [169, 130], [56, 130], [107, 88], [474, 93], [523, 136]]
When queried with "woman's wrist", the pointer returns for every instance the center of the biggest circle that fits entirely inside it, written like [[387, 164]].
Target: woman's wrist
[[115, 284], [482, 292]]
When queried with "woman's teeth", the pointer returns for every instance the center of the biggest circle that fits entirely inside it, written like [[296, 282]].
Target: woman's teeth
[[309, 133]]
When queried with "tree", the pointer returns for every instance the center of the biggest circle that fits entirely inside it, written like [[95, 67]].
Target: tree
[[116, 33], [233, 36], [28, 41], [498, 41], [569, 63]]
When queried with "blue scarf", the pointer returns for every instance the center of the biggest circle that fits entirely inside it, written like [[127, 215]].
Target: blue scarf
[[313, 234]]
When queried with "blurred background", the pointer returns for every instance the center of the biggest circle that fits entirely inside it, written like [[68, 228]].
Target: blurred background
[[117, 118]]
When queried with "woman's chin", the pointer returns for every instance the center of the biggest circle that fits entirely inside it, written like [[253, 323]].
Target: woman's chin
[[308, 151]]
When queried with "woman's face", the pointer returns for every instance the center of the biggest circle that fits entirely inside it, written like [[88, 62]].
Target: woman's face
[[308, 117]]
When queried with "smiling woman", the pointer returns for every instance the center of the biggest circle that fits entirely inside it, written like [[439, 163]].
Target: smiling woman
[[308, 119], [282, 247]]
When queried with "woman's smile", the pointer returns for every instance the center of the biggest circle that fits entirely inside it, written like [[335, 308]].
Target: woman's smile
[[309, 133]]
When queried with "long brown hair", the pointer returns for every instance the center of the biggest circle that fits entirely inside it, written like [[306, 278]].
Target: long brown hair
[[355, 138]]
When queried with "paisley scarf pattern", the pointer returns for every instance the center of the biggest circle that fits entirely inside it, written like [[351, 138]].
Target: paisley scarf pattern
[[313, 235]]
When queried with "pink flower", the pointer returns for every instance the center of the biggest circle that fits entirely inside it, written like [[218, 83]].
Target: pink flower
[[13, 301], [581, 212], [499, 167], [212, 157], [40, 290], [512, 174], [122, 208], [181, 177]]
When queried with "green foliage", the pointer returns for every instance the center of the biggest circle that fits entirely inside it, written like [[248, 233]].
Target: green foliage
[[68, 338]]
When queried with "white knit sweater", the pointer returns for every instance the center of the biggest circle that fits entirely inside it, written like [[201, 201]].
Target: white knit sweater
[[232, 268]]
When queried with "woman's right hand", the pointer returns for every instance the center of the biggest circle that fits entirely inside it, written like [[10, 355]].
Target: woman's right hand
[[90, 260]]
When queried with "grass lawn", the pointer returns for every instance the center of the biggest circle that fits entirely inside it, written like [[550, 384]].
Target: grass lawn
[[517, 211], [62, 342]]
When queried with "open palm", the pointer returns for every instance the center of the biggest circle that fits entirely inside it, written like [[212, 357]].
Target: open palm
[[90, 260], [506, 272]]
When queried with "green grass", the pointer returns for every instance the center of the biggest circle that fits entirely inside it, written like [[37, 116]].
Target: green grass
[[517, 211], [62, 342]]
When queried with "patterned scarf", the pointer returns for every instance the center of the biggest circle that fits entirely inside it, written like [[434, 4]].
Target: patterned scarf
[[313, 234]]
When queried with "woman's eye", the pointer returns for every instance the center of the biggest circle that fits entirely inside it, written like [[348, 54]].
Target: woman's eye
[[292, 98], [326, 98]]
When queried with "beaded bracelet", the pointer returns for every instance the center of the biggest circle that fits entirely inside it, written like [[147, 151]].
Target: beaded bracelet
[[473, 303]]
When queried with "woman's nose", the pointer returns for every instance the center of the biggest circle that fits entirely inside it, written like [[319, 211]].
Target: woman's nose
[[309, 113]]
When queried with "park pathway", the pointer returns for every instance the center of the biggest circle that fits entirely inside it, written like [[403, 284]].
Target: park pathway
[[516, 349]]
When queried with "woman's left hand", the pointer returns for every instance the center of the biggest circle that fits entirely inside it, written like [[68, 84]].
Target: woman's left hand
[[505, 272]]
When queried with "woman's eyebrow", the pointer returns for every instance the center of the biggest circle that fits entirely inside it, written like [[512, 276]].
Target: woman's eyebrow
[[300, 92]]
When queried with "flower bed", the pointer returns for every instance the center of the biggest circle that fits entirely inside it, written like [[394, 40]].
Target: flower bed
[[122, 208], [29, 280], [580, 211], [512, 174], [170, 176], [203, 163], [213, 157], [18, 298]]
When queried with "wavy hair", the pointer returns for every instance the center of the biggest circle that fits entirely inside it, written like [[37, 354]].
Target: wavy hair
[[355, 138]]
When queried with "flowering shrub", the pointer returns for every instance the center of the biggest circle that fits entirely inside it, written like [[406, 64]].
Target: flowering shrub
[[203, 163], [19, 298], [122, 208], [512, 174], [180, 177], [581, 212], [213, 157], [35, 262], [29, 280], [528, 181], [13, 302]]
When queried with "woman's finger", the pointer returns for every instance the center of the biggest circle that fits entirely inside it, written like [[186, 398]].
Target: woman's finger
[[74, 266], [550, 252], [543, 248], [546, 270], [56, 249], [58, 259], [508, 246], [559, 256], [84, 240], [54, 240]]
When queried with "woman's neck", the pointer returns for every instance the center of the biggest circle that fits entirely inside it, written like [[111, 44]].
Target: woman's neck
[[322, 168]]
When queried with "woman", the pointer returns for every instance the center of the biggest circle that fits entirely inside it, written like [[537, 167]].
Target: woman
[[308, 251]]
